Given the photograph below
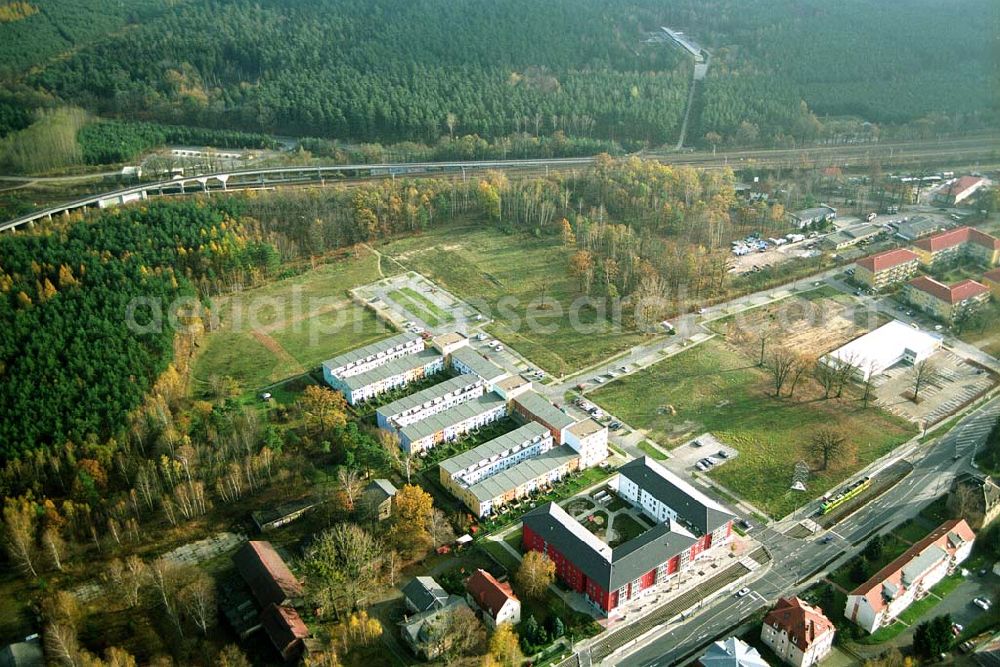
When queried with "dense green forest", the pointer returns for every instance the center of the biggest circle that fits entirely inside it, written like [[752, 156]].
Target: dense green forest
[[63, 303], [385, 71]]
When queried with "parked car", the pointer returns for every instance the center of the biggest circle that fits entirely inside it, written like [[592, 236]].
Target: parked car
[[982, 603], [615, 425], [745, 525], [701, 466], [498, 348], [956, 629], [266, 396], [722, 454], [623, 368], [599, 380], [742, 592], [966, 647]]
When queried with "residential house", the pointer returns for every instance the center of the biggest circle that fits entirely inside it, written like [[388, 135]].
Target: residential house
[[731, 652], [689, 524], [976, 498], [512, 387], [532, 406], [494, 456], [423, 593], [960, 190], [426, 633], [427, 402], [947, 303], [881, 599], [364, 359], [467, 361], [886, 268], [393, 374], [798, 633], [495, 600], [447, 343], [534, 474], [452, 423], [590, 440], [956, 244], [376, 499]]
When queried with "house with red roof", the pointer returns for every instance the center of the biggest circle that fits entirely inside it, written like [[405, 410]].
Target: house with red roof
[[886, 268], [285, 628], [960, 190], [948, 303], [955, 244], [878, 601], [496, 600], [798, 633]]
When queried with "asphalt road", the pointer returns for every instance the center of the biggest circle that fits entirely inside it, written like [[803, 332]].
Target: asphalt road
[[797, 562]]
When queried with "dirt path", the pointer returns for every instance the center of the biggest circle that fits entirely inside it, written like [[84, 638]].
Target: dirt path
[[276, 349]]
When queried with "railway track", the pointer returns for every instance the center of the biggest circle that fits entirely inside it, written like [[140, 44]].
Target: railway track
[[983, 151]]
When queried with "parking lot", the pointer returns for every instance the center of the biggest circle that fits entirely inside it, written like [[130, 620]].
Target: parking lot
[[412, 302], [685, 458], [955, 383]]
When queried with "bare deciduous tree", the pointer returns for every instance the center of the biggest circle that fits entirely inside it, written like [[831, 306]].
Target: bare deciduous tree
[[350, 484], [20, 524], [924, 373], [827, 443], [780, 365], [342, 564], [198, 600]]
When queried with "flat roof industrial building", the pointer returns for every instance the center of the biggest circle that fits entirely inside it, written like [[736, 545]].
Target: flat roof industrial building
[[884, 347]]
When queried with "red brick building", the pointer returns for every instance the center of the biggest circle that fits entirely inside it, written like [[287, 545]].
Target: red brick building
[[610, 577]]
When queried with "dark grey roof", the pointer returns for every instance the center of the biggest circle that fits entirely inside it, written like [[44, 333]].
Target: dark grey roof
[[381, 488], [586, 550], [424, 593], [609, 568], [694, 508], [641, 554], [370, 350], [22, 654]]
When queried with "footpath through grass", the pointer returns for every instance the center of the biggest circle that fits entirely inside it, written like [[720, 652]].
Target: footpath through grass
[[290, 325], [713, 387]]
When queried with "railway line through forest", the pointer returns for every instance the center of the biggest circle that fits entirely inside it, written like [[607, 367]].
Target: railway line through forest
[[980, 150]]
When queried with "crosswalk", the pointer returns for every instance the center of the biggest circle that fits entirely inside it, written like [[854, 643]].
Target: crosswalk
[[971, 433]]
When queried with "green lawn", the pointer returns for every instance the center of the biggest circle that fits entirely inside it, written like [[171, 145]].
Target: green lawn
[[421, 306], [291, 325], [625, 528], [653, 451], [892, 548], [713, 387], [523, 284]]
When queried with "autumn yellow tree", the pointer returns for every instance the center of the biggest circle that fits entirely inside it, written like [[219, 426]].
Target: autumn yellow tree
[[537, 571], [581, 266], [411, 514], [505, 650], [322, 408]]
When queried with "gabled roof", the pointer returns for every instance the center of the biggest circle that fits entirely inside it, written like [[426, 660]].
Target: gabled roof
[[496, 447], [397, 366], [267, 575], [802, 622], [380, 489], [886, 260], [691, 505], [947, 537], [283, 626], [609, 568], [439, 390], [543, 410], [960, 291], [489, 593], [425, 593], [962, 184], [452, 416], [732, 652], [426, 626], [993, 276], [478, 364], [956, 237], [370, 350]]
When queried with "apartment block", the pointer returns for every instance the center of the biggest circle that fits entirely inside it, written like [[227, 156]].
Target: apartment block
[[886, 268], [948, 303]]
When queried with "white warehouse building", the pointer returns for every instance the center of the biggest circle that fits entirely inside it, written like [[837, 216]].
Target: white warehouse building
[[883, 348]]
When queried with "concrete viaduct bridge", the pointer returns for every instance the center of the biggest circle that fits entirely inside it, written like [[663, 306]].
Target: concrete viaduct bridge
[[274, 176]]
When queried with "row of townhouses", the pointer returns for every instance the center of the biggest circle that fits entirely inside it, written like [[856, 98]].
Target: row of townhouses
[[548, 446]]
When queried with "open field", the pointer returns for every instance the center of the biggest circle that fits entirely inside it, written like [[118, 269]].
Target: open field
[[810, 324], [523, 283], [291, 325], [714, 387]]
